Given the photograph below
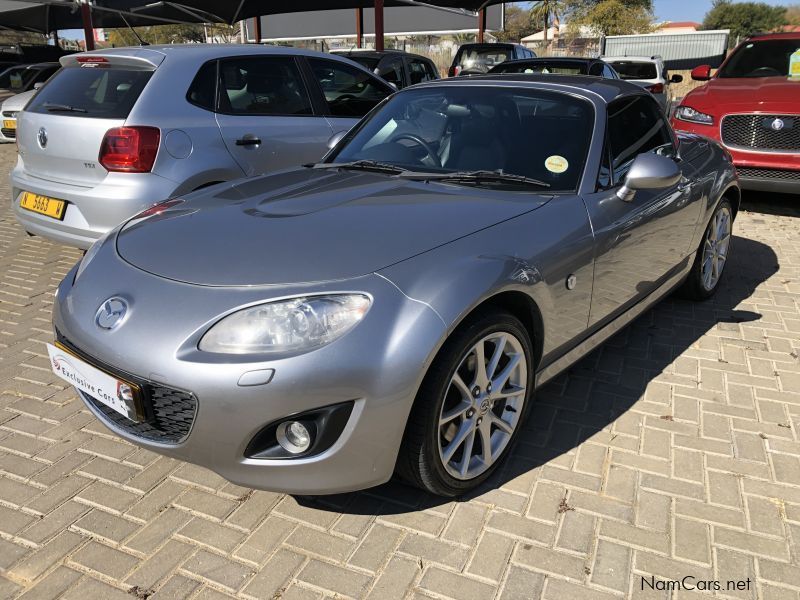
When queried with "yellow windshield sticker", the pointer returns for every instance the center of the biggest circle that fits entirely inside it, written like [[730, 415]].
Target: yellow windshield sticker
[[556, 164], [794, 64]]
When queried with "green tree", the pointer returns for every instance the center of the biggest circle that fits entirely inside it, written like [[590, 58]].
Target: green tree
[[793, 14], [613, 17], [518, 24], [158, 34], [545, 12], [744, 18]]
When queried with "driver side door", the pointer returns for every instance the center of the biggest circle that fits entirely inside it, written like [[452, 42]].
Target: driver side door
[[639, 244]]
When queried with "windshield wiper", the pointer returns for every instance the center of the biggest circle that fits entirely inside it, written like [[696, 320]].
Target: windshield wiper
[[476, 176], [51, 107], [364, 165]]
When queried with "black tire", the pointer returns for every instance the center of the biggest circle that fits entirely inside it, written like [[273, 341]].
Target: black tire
[[419, 462], [693, 288]]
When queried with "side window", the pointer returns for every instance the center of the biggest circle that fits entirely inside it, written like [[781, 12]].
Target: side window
[[258, 85], [635, 126], [596, 69], [419, 71], [608, 72], [349, 91], [392, 71], [203, 91]]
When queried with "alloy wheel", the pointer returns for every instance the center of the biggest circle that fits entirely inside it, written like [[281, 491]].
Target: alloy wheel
[[715, 248], [483, 405]]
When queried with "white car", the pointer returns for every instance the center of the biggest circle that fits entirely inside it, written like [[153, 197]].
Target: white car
[[648, 72], [9, 110]]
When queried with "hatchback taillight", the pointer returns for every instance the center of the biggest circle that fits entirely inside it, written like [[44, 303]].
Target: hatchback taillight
[[130, 149], [657, 88]]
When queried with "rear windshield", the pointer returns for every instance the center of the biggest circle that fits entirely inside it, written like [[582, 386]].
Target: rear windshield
[[767, 58], [481, 58], [635, 70], [16, 78], [544, 66], [101, 93]]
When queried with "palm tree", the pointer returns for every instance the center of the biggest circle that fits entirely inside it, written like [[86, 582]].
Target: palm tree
[[542, 12]]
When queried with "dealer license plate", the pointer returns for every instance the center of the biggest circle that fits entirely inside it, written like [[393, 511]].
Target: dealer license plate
[[9, 124], [119, 395]]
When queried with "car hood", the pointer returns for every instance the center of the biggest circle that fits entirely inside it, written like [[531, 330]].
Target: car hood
[[754, 94], [309, 225], [18, 101]]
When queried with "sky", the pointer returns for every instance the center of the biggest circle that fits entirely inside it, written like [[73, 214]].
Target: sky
[[691, 10], [666, 10]]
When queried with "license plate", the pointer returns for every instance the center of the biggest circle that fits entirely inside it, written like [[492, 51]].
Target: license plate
[[117, 394], [43, 205], [9, 124]]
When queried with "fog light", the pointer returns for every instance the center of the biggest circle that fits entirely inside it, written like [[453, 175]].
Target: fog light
[[293, 436]]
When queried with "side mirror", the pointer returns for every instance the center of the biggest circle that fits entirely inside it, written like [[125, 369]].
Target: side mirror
[[701, 73], [335, 139], [676, 79], [37, 86], [649, 172]]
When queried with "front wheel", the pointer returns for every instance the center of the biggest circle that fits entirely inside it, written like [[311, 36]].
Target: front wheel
[[712, 256], [470, 406]]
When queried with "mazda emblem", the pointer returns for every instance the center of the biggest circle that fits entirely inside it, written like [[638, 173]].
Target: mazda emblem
[[111, 313], [42, 137]]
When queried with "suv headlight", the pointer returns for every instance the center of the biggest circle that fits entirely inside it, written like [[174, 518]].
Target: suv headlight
[[296, 324], [687, 113]]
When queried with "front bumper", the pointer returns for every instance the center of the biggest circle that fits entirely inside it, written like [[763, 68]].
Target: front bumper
[[758, 170], [91, 211], [378, 366]]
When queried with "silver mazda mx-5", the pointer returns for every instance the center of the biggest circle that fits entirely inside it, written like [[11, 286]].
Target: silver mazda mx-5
[[393, 308]]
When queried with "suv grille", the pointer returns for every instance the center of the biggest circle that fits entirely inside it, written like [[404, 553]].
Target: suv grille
[[756, 131], [170, 412], [779, 174], [9, 133]]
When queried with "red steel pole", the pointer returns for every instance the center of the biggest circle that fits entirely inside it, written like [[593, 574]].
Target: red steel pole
[[379, 25], [481, 24], [88, 30], [257, 29]]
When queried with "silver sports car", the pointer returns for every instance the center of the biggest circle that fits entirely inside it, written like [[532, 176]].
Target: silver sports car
[[393, 308]]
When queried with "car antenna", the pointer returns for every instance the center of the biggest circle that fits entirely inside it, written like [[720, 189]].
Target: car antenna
[[133, 31]]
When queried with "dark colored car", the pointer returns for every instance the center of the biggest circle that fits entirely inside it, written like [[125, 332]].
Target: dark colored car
[[557, 66], [477, 59], [751, 106], [399, 68]]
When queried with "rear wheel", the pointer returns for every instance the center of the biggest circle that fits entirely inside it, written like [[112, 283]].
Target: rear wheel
[[712, 255], [470, 406]]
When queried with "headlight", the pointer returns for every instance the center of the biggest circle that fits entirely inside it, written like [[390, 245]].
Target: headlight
[[90, 254], [687, 113], [288, 325]]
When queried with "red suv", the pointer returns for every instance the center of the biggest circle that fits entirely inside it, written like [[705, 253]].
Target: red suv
[[752, 106]]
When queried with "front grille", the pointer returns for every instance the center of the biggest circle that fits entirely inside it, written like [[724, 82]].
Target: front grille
[[778, 174], [756, 131], [170, 412], [9, 133]]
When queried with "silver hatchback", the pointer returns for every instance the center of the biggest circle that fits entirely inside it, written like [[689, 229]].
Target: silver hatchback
[[116, 131]]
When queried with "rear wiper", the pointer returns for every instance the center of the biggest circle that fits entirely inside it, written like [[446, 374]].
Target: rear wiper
[[52, 107], [365, 165], [476, 176]]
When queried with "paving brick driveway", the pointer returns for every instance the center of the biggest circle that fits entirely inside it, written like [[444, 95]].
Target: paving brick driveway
[[674, 451]]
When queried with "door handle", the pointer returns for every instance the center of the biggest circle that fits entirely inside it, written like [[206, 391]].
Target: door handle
[[248, 140]]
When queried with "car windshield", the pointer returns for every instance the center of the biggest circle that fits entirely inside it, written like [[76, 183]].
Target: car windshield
[[496, 131], [635, 70], [562, 67], [481, 59], [16, 78], [767, 58], [368, 62]]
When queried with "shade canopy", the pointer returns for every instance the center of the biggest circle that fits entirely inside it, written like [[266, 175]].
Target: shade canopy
[[44, 16]]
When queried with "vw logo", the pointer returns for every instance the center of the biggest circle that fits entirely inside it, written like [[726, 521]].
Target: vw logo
[[111, 313], [777, 125], [42, 137]]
